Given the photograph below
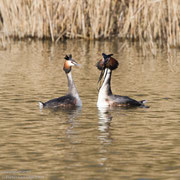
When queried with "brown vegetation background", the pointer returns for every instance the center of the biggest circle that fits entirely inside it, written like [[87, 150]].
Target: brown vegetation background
[[138, 20]]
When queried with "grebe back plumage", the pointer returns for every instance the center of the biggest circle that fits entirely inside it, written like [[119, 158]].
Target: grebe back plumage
[[72, 98], [105, 95]]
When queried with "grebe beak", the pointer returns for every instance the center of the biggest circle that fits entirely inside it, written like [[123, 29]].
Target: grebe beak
[[101, 75], [99, 81], [76, 64]]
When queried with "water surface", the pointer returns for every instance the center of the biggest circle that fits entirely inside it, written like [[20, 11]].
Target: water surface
[[87, 142]]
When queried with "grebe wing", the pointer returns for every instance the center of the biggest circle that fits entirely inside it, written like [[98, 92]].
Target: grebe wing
[[63, 101], [125, 100]]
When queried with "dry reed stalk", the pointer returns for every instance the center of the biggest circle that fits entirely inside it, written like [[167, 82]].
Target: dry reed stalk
[[145, 20], [151, 20]]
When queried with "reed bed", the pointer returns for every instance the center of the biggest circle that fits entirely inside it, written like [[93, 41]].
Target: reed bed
[[138, 20]]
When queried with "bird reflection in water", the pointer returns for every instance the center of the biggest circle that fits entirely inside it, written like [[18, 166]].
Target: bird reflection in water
[[104, 124], [72, 115], [105, 119], [67, 115]]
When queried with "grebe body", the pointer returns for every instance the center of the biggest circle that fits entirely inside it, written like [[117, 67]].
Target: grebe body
[[105, 96], [72, 98]]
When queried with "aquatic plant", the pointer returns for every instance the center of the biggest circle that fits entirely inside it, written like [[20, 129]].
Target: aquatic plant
[[144, 21]]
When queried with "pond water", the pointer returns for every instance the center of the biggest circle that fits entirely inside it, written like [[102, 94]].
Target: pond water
[[87, 142]]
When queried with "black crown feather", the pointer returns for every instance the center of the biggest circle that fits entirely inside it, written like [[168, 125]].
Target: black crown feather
[[68, 57], [106, 56]]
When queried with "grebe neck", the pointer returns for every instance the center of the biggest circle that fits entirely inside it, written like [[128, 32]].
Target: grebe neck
[[71, 86], [72, 89], [106, 86]]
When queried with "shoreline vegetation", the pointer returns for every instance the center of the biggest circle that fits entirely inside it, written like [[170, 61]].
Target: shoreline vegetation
[[156, 22]]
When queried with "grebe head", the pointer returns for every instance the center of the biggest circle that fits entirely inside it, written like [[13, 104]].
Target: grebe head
[[106, 62], [69, 62]]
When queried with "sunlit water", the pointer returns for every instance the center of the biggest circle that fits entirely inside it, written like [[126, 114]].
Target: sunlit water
[[88, 143]]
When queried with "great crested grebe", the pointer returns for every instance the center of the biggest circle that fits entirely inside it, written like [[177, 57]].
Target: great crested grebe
[[105, 97], [72, 98]]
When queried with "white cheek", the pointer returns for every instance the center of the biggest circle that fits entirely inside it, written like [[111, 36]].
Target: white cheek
[[70, 63]]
